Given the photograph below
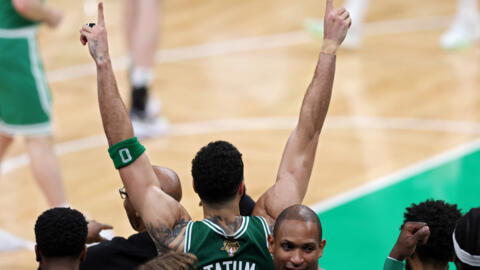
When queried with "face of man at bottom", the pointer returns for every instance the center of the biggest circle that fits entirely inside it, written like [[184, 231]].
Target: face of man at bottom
[[296, 246]]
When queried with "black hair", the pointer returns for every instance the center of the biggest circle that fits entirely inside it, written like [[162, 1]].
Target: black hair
[[217, 172], [440, 218], [467, 235], [301, 213], [61, 232]]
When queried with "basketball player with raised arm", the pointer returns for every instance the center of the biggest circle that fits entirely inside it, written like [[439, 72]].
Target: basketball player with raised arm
[[223, 239]]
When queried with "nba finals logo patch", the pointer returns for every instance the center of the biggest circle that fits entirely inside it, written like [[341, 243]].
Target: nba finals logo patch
[[230, 247]]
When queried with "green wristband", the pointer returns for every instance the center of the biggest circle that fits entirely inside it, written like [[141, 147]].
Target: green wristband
[[125, 152]]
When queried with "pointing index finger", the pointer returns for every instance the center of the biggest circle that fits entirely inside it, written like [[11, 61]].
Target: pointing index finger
[[329, 6], [101, 20]]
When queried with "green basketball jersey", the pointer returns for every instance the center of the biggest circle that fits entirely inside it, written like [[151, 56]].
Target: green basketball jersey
[[10, 19], [247, 249]]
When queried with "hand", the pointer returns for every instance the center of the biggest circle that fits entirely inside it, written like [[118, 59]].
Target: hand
[[54, 18], [94, 229], [412, 234], [336, 24], [96, 37]]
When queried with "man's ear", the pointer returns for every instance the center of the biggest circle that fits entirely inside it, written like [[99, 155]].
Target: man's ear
[[241, 190], [38, 256], [323, 243], [83, 254], [271, 243]]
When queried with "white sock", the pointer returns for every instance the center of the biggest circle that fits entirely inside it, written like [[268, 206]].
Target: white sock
[[141, 76]]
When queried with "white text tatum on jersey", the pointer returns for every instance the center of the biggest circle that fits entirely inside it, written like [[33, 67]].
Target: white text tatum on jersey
[[230, 265], [230, 247]]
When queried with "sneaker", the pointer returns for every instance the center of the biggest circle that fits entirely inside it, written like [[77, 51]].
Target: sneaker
[[143, 113], [153, 106], [461, 34], [146, 127]]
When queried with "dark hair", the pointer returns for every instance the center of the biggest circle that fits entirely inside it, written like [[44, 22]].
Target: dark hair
[[217, 172], [171, 261], [467, 234], [440, 218], [301, 213], [61, 232]]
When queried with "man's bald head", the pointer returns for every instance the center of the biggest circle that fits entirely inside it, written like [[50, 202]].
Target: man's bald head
[[296, 242], [169, 181], [299, 213]]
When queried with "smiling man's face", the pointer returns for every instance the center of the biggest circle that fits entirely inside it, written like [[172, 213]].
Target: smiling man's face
[[296, 245]]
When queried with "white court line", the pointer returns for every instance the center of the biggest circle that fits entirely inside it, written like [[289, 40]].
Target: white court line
[[397, 176], [267, 123], [9, 242], [251, 44], [285, 123]]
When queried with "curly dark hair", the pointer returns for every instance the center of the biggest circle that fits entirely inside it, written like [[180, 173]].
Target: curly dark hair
[[61, 232], [217, 172], [467, 235], [440, 218]]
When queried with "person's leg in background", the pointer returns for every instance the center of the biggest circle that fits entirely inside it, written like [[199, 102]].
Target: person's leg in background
[[465, 27], [46, 170], [358, 10], [142, 32]]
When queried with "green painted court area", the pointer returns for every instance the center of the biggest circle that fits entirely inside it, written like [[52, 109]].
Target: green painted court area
[[361, 232]]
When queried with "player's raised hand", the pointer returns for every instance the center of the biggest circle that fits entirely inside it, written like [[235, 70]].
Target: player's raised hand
[[96, 38], [412, 234], [336, 23]]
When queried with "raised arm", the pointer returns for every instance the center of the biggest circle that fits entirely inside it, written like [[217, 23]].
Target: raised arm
[[37, 11], [412, 234], [299, 153], [164, 218]]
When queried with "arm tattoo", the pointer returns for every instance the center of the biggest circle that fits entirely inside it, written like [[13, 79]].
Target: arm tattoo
[[165, 237], [270, 223], [94, 48]]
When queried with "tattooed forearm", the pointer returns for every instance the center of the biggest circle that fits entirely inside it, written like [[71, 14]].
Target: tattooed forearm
[[165, 237], [99, 59], [94, 48]]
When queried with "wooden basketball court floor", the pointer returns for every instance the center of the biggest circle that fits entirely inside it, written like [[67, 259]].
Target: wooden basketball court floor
[[237, 70]]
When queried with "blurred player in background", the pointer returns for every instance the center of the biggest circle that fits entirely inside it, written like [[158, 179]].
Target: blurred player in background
[[464, 30], [465, 27], [142, 33], [25, 102]]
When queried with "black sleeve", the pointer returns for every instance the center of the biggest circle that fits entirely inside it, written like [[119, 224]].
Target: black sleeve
[[246, 205], [120, 253]]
